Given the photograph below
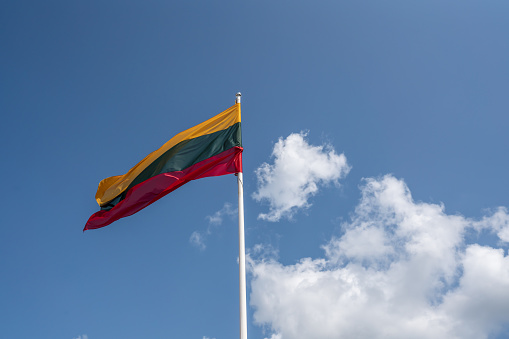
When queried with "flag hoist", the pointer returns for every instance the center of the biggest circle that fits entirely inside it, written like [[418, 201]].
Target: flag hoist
[[211, 148]]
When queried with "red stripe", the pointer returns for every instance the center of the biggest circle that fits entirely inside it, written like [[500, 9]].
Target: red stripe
[[153, 189]]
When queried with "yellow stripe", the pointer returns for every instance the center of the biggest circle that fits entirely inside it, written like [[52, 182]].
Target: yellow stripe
[[111, 187]]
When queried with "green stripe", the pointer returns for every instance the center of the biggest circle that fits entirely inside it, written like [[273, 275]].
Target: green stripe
[[185, 154]]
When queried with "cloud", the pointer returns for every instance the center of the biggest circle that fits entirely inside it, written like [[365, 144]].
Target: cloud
[[401, 269], [84, 336], [298, 170], [275, 336], [497, 223], [198, 238], [217, 218]]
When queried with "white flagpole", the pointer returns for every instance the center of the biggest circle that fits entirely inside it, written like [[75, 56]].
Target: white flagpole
[[242, 253]]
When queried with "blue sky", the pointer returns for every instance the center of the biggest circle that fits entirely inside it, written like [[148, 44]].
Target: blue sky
[[394, 112]]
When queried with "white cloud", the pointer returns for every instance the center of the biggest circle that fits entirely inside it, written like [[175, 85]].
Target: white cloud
[[497, 223], [298, 170], [198, 239], [84, 336], [401, 269], [482, 299], [217, 218]]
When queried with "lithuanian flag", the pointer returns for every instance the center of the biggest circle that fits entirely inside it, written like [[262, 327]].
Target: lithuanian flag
[[211, 148]]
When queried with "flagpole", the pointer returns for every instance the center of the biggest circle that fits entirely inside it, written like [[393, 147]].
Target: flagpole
[[242, 252]]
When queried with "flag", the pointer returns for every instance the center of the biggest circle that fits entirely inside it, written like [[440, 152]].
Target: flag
[[211, 148]]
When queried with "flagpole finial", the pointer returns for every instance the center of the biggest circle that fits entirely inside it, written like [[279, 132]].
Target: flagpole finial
[[237, 97]]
